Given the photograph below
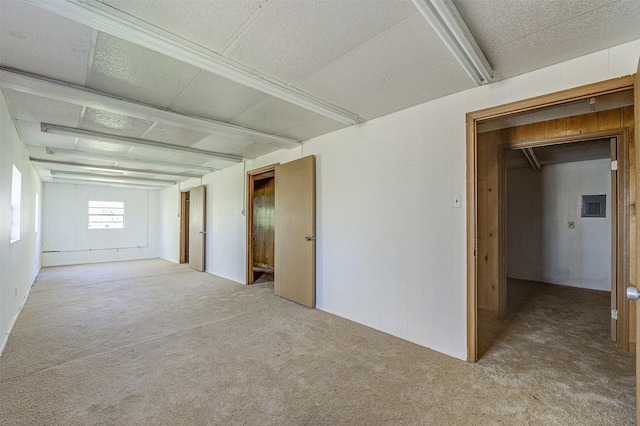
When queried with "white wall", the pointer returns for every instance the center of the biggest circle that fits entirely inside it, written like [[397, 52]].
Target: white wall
[[67, 240], [391, 248], [169, 224], [540, 244], [20, 260]]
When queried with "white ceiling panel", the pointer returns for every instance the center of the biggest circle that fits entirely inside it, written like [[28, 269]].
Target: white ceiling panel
[[132, 72], [274, 116], [210, 24], [520, 36], [294, 38], [156, 154], [101, 147], [314, 127], [442, 82], [28, 107], [364, 72], [32, 135], [217, 98], [256, 150], [173, 135], [218, 143], [115, 124], [40, 42]]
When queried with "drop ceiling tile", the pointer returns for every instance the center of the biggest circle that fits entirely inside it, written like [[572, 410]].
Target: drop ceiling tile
[[362, 72], [40, 42], [256, 150], [219, 163], [314, 127], [28, 107], [217, 98], [274, 116], [442, 82], [292, 39], [218, 143], [173, 135], [132, 72], [101, 147], [552, 33], [32, 135], [168, 156], [115, 124], [194, 20]]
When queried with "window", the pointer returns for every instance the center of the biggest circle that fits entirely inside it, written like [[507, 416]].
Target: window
[[37, 214], [16, 201], [106, 214]]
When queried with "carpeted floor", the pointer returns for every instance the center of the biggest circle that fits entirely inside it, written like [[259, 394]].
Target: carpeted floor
[[154, 343]]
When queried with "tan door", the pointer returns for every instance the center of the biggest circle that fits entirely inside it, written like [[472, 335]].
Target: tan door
[[636, 125], [295, 247], [197, 228]]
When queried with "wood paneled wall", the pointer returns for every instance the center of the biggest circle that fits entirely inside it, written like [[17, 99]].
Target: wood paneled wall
[[491, 291], [264, 222]]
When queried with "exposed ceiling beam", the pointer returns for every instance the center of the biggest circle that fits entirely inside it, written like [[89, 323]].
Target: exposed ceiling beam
[[128, 160], [90, 167], [126, 27], [532, 158], [113, 179], [447, 22], [79, 95], [87, 134], [73, 181]]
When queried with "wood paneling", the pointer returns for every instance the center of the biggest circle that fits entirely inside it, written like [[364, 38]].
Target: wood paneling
[[627, 119], [264, 222], [489, 213]]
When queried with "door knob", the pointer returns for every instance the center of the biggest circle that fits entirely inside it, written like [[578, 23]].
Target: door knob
[[633, 293]]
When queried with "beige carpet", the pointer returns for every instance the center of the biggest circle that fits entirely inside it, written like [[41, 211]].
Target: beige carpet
[[154, 343]]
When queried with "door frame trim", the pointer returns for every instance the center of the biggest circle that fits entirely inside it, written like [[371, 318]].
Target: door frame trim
[[251, 178], [472, 120]]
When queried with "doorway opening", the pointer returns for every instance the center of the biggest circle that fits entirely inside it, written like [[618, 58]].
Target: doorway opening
[[601, 110], [184, 227], [261, 234], [555, 251]]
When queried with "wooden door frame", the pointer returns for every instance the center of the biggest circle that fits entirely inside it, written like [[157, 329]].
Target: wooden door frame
[[251, 179], [472, 120]]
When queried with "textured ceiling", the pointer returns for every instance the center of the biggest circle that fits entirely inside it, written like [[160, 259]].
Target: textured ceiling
[[368, 58]]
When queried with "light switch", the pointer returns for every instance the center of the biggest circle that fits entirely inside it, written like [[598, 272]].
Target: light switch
[[457, 201]]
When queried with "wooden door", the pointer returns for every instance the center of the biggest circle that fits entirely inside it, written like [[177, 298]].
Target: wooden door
[[295, 254], [197, 228], [636, 125]]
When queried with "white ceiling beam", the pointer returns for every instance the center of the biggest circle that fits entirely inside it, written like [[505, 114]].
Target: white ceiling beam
[[446, 21], [72, 181], [87, 134], [126, 27], [70, 153], [113, 179], [79, 95], [89, 167]]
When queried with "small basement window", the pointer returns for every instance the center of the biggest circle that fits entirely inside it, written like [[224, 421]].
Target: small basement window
[[594, 206], [106, 214]]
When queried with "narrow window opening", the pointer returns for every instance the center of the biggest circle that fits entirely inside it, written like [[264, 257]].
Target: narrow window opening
[[106, 215], [16, 201]]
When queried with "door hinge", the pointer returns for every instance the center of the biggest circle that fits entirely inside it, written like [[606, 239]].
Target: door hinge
[[614, 314], [614, 165]]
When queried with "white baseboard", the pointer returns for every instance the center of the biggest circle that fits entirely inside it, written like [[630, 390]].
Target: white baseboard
[[5, 336]]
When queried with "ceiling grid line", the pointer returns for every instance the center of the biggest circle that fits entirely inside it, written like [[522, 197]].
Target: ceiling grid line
[[232, 39]]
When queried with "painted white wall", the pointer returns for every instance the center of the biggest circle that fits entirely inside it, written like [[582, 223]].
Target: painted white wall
[[67, 240], [169, 224], [391, 248], [540, 244], [19, 261]]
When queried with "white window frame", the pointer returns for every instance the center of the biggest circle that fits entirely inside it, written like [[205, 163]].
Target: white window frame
[[105, 215], [16, 203]]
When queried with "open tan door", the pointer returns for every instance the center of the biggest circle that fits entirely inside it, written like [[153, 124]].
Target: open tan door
[[295, 247], [197, 229], [636, 138]]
